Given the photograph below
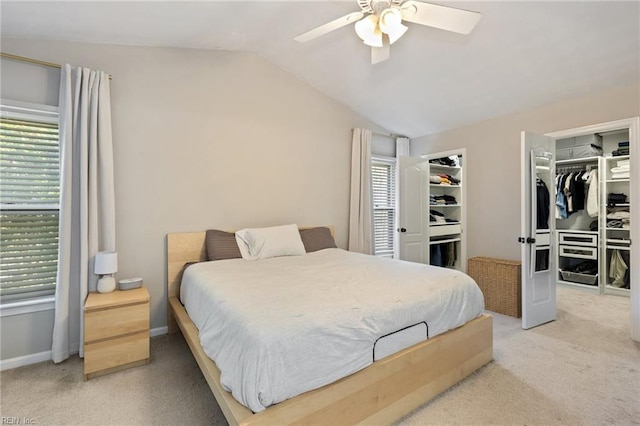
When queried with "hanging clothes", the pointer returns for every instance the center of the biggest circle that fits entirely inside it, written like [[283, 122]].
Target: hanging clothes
[[593, 194], [617, 269], [542, 213], [572, 195], [567, 193], [577, 190], [561, 198], [443, 254]]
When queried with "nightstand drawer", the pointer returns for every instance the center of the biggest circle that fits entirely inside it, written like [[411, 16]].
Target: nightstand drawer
[[116, 352], [106, 323]]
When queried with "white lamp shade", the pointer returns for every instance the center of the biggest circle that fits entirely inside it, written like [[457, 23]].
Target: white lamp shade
[[106, 262], [367, 29], [397, 32], [391, 24]]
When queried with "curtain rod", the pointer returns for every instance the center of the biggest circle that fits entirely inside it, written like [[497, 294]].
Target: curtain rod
[[33, 61], [389, 135]]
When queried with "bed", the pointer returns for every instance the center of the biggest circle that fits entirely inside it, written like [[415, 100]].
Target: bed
[[381, 392]]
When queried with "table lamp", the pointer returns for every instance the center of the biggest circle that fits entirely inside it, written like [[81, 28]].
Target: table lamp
[[106, 263]]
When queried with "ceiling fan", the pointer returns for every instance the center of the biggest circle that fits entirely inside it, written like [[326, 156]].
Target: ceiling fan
[[379, 23]]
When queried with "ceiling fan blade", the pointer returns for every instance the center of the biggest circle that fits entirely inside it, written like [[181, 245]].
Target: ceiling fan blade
[[381, 54], [329, 26], [442, 17]]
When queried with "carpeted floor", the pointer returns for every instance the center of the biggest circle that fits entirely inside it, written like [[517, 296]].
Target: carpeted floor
[[581, 369]]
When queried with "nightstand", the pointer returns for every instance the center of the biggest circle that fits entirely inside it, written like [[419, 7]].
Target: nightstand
[[116, 331]]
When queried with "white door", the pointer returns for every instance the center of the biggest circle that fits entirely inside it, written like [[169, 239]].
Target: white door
[[413, 239], [537, 235]]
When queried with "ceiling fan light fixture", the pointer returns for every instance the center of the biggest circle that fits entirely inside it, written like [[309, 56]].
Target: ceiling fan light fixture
[[379, 23], [390, 23], [368, 30], [396, 33]]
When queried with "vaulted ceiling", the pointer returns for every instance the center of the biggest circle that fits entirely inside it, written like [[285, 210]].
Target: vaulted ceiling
[[521, 54]]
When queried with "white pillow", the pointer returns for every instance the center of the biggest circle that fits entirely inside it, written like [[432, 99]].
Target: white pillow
[[263, 243]]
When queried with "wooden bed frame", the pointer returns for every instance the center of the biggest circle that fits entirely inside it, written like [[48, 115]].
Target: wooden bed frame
[[378, 394]]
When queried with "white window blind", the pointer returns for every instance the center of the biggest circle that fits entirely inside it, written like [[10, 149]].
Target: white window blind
[[383, 182], [29, 203]]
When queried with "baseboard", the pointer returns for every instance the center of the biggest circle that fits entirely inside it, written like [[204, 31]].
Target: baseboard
[[158, 331], [21, 361]]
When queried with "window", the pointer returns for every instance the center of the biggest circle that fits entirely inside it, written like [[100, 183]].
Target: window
[[383, 182], [29, 200]]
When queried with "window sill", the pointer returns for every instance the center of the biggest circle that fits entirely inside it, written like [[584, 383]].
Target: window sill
[[27, 306]]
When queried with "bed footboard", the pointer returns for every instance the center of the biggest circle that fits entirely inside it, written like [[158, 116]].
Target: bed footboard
[[380, 394]]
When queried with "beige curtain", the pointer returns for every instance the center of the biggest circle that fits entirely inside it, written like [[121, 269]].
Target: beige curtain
[[361, 210], [87, 208]]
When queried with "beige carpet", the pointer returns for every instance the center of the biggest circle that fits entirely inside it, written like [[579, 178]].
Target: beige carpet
[[581, 369]]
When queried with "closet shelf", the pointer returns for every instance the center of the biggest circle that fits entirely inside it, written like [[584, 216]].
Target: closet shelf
[[618, 241], [618, 157], [444, 167], [623, 290], [610, 247], [448, 240], [578, 160], [618, 180], [440, 185], [443, 223], [618, 229], [619, 205], [445, 205]]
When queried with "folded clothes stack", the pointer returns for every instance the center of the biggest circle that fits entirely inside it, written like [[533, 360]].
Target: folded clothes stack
[[442, 200], [623, 149], [437, 217], [618, 219], [452, 161], [616, 198], [622, 170], [444, 179]]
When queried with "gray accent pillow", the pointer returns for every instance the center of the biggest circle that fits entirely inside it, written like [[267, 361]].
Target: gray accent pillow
[[315, 239], [221, 245]]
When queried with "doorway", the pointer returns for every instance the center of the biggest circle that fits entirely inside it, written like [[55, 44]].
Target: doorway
[[569, 248]]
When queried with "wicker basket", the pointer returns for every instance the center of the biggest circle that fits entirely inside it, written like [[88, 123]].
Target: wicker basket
[[499, 281]]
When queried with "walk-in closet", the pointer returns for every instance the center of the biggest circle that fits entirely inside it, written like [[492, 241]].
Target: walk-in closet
[[592, 211]]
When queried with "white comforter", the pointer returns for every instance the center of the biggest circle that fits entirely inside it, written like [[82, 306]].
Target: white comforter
[[282, 326]]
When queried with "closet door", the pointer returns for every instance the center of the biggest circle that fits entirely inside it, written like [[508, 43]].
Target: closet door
[[413, 239], [536, 237]]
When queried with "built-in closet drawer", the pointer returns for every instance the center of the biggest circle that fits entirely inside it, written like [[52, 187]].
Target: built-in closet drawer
[[439, 230], [578, 239], [579, 252]]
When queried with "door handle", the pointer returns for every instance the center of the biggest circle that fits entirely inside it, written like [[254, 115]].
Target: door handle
[[401, 229], [528, 240]]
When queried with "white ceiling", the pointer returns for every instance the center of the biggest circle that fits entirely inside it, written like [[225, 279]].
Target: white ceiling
[[521, 54]]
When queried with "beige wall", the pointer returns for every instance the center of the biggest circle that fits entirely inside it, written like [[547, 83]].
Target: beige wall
[[493, 162], [203, 139]]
